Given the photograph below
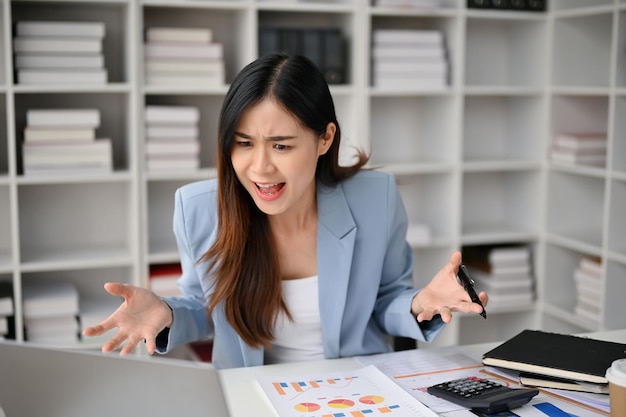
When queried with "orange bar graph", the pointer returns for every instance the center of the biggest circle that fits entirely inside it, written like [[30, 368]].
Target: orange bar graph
[[278, 388], [296, 386], [357, 414], [384, 410]]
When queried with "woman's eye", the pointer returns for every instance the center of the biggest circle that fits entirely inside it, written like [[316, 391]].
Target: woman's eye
[[244, 144], [280, 147]]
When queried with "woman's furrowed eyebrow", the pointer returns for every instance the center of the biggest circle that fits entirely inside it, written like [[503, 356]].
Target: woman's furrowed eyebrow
[[269, 138]]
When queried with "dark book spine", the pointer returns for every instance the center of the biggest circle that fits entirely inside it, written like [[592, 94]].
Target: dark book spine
[[312, 46], [334, 56], [290, 41], [269, 41]]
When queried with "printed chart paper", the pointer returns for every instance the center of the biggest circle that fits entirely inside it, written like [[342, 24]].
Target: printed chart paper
[[365, 392]]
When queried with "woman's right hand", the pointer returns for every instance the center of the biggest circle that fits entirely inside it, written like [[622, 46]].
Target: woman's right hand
[[142, 316]]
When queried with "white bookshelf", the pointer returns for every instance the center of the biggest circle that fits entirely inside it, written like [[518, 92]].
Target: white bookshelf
[[471, 158]]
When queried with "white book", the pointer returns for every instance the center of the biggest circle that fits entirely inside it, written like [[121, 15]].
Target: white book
[[213, 51], [172, 114], [199, 81], [409, 3], [399, 52], [439, 66], [501, 301], [63, 118], [166, 286], [102, 146], [58, 339], [591, 266], [495, 285], [578, 159], [589, 314], [61, 160], [574, 152], [172, 164], [190, 148], [60, 28], [49, 299], [502, 275], [51, 61], [174, 34], [418, 234], [405, 83], [62, 76], [53, 45], [60, 324], [586, 283], [587, 297], [6, 306], [45, 135], [407, 36], [171, 132], [155, 66], [581, 140], [46, 170], [513, 255]]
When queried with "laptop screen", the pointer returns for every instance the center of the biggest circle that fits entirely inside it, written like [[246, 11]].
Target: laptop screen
[[39, 381]]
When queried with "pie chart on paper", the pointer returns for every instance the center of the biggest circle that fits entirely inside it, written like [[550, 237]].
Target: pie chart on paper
[[307, 407], [340, 403], [372, 399]]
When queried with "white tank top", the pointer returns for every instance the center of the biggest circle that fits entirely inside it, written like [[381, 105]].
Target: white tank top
[[300, 339]]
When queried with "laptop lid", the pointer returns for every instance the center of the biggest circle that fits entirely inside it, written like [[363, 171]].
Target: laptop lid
[[37, 381]]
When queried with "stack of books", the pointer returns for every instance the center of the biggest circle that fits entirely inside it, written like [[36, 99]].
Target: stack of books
[[409, 59], [51, 313], [7, 310], [186, 57], [588, 278], [93, 311], [64, 141], [172, 137], [552, 360], [579, 149], [164, 280], [504, 272], [59, 52]]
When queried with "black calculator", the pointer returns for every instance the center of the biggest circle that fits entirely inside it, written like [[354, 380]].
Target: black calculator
[[482, 394]]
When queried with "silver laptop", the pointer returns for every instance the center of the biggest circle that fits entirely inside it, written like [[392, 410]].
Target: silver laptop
[[36, 381]]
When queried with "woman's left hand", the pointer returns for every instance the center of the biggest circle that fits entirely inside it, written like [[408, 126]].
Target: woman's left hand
[[444, 295]]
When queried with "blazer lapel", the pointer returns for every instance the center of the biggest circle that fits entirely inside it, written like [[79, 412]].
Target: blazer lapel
[[335, 244]]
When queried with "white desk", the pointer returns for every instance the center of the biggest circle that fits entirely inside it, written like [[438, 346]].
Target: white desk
[[245, 396]]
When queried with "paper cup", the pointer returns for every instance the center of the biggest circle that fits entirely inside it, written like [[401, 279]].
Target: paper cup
[[616, 375]]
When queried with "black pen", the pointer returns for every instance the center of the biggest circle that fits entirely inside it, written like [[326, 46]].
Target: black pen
[[468, 285]]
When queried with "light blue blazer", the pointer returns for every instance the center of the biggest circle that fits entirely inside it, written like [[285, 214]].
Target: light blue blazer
[[364, 270]]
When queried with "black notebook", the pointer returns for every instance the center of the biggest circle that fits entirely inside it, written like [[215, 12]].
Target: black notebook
[[559, 355]]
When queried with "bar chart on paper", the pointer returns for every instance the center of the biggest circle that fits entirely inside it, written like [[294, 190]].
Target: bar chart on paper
[[366, 392]]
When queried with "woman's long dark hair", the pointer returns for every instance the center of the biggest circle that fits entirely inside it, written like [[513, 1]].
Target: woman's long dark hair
[[243, 260]]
